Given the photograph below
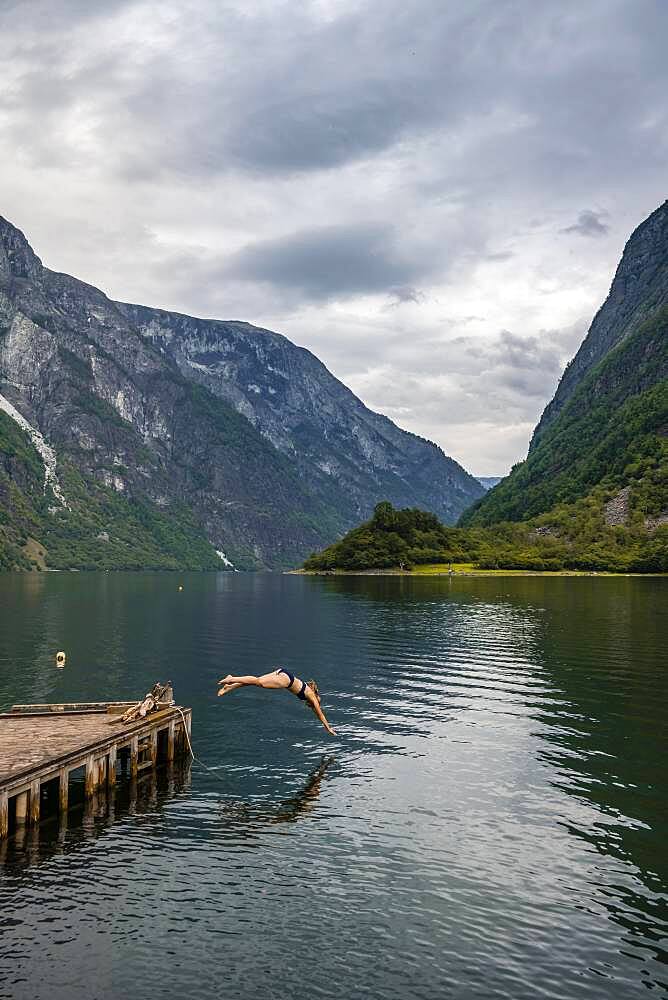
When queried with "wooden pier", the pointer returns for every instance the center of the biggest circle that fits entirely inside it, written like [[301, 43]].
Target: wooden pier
[[42, 746]]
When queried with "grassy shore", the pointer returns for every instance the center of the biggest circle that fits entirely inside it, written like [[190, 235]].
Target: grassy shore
[[460, 569]]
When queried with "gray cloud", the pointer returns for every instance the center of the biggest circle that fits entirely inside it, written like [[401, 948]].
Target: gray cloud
[[330, 262], [405, 293], [215, 89], [589, 224], [382, 183]]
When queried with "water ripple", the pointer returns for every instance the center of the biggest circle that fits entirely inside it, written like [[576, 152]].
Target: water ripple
[[489, 821]]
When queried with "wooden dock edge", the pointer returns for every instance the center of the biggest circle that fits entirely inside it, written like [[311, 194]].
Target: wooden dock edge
[[137, 742]]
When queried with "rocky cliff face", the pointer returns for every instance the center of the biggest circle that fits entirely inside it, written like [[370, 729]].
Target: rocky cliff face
[[310, 417], [230, 434], [639, 288], [605, 433]]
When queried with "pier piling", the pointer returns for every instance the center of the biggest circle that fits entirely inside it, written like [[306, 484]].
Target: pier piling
[[42, 744]]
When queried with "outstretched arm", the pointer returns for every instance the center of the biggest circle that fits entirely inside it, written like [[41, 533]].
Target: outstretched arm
[[313, 702]]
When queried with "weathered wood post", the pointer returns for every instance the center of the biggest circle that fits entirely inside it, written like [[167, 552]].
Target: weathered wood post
[[134, 757], [63, 789], [34, 801], [90, 776], [111, 768], [165, 736], [4, 815], [21, 813]]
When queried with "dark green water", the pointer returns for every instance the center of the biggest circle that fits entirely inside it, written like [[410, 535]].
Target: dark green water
[[489, 822]]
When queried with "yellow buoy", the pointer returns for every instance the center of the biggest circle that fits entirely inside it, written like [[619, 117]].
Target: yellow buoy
[[60, 659]]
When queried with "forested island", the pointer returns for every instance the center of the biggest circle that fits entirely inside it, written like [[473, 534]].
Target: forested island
[[575, 538]]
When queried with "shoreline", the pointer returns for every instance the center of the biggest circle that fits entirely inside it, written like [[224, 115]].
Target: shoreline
[[465, 573]]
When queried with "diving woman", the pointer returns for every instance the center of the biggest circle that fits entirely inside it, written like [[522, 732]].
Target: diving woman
[[277, 680]]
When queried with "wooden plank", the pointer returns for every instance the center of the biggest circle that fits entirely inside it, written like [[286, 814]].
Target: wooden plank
[[71, 706], [36, 747], [31, 744]]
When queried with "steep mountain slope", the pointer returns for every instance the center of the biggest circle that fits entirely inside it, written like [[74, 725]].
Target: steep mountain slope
[[639, 289], [92, 526], [131, 429], [308, 415], [604, 436]]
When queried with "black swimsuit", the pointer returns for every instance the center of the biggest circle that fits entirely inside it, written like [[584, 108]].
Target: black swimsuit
[[291, 678]]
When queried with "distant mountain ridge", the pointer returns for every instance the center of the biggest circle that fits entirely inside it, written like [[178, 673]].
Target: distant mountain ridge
[[602, 442], [216, 441]]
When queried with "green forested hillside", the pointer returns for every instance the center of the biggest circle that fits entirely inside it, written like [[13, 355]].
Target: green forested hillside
[[592, 495], [100, 530], [611, 434], [593, 491], [571, 537]]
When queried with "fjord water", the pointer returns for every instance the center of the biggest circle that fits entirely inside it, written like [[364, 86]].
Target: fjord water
[[489, 821]]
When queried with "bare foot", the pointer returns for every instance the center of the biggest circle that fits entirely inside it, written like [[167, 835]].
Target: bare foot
[[225, 680]]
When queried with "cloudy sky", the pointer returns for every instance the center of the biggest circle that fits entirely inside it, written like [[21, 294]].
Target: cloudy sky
[[431, 196]]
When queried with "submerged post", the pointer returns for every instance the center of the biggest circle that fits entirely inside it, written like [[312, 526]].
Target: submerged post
[[63, 789], [21, 813], [134, 757], [4, 815], [34, 801], [90, 776], [170, 741], [111, 767], [41, 746]]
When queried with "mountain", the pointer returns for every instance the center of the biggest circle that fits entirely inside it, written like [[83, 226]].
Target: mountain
[[600, 451], [308, 415], [488, 481], [638, 291], [134, 437]]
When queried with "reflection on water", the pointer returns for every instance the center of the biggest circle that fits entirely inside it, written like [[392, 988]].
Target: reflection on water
[[490, 820], [248, 816], [146, 797], [91, 818]]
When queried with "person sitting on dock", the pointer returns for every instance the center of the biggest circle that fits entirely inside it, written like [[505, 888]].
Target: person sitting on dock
[[277, 680]]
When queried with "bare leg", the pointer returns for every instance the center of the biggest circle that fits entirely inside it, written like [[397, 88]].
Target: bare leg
[[274, 680], [231, 683], [226, 688]]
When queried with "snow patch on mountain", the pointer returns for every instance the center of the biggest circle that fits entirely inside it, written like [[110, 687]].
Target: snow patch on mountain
[[226, 561], [45, 451]]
